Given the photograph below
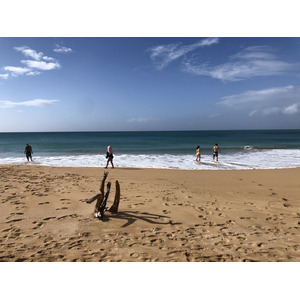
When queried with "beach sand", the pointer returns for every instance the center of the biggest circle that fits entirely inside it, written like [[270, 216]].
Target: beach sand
[[164, 215]]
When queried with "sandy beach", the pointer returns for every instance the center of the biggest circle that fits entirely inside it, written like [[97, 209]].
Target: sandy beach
[[163, 216]]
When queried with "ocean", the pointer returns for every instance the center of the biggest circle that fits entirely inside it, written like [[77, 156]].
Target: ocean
[[240, 149]]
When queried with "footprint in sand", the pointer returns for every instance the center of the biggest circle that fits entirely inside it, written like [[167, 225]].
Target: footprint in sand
[[134, 255], [15, 220], [68, 216], [18, 213], [49, 218], [65, 201], [38, 225]]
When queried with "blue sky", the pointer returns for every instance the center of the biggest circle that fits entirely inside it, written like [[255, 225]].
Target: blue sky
[[108, 84]]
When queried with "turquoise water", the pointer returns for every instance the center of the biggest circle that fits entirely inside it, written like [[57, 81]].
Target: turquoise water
[[164, 149]]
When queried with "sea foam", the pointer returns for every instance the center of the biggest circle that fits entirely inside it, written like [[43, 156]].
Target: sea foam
[[253, 159]]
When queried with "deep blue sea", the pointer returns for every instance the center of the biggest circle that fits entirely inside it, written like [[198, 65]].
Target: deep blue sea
[[244, 149]]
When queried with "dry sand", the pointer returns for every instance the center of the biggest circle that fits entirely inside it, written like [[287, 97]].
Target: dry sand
[[164, 215]]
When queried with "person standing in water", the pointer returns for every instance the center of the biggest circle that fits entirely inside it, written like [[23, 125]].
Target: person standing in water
[[198, 156], [216, 151], [109, 156], [28, 151]]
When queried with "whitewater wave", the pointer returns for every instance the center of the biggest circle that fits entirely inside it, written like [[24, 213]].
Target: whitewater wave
[[247, 147], [265, 159]]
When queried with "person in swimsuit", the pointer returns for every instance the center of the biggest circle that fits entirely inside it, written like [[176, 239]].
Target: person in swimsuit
[[216, 151], [28, 151], [109, 156], [198, 156]]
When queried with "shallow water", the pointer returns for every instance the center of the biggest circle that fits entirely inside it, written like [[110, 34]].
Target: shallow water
[[258, 149]]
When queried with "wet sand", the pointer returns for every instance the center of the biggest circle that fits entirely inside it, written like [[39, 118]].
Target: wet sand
[[164, 215]]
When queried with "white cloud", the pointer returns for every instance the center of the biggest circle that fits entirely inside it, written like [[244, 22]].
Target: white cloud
[[266, 102], [41, 65], [30, 52], [4, 76], [250, 62], [39, 62], [30, 103], [261, 96], [254, 52], [61, 49], [253, 113], [142, 120], [164, 54], [33, 73], [292, 109], [16, 71], [269, 111], [47, 58], [33, 54]]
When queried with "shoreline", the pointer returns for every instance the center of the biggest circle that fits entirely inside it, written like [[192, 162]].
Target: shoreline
[[164, 215], [146, 168]]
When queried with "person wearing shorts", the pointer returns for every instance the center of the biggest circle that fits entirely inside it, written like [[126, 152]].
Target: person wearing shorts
[[109, 156], [28, 151], [216, 151], [198, 155]]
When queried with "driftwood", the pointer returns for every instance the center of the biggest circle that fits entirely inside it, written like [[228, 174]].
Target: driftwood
[[103, 182], [99, 197], [102, 198], [115, 206], [101, 205], [96, 197]]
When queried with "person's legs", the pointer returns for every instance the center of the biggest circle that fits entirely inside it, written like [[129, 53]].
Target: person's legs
[[107, 163], [111, 161]]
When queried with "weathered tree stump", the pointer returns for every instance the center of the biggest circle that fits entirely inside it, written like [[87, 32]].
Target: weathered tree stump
[[102, 199], [115, 206]]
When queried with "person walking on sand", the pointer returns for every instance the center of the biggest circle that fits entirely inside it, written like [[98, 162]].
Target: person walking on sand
[[109, 156], [198, 156], [216, 151], [28, 151]]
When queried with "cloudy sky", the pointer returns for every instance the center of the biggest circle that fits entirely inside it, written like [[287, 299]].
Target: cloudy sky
[[104, 84]]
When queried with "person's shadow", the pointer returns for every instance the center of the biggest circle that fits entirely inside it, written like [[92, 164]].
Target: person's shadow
[[132, 216]]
